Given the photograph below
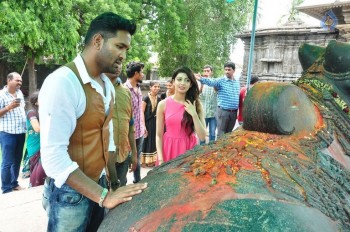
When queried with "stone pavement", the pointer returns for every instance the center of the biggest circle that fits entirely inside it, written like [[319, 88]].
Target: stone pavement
[[22, 210]]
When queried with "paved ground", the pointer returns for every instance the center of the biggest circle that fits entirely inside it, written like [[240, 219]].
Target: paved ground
[[22, 210]]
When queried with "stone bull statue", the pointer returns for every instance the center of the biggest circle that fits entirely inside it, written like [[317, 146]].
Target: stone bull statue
[[287, 169]]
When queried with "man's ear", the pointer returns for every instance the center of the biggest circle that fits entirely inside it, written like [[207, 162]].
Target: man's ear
[[97, 41]]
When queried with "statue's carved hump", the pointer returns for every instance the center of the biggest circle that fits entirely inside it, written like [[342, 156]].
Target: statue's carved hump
[[287, 169]]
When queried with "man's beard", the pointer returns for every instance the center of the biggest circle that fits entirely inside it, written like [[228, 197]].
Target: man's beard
[[139, 81]]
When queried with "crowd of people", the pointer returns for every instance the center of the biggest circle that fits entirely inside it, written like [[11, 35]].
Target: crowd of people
[[86, 129]]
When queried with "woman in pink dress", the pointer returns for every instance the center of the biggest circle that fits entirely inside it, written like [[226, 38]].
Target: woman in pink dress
[[179, 118]]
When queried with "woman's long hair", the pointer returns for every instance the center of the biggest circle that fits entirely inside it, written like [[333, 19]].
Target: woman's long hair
[[192, 95]]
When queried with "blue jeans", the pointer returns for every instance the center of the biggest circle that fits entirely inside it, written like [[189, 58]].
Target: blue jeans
[[68, 210], [212, 127], [12, 152], [137, 172], [122, 171]]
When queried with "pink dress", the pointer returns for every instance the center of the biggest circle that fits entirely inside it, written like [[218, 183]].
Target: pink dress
[[175, 140]]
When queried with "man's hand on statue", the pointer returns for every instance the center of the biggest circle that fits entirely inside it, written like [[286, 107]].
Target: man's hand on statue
[[123, 194]]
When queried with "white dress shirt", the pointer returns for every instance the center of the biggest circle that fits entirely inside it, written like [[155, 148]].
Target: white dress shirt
[[61, 102]]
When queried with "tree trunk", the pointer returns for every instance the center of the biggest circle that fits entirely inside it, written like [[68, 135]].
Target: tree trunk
[[3, 75], [32, 75], [3, 70]]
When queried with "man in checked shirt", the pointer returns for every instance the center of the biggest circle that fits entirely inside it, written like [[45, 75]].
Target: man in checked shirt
[[12, 132]]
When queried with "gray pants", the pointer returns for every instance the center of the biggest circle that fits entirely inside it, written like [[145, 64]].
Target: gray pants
[[225, 120]]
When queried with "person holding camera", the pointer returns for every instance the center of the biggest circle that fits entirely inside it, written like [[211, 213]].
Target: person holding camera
[[12, 132]]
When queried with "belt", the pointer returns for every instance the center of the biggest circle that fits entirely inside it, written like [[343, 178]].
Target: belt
[[227, 109]]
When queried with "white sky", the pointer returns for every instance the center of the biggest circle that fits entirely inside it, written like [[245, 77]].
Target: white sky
[[273, 10]]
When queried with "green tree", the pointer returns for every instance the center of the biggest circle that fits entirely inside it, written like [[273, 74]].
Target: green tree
[[54, 30], [293, 13], [182, 32], [40, 29], [194, 33]]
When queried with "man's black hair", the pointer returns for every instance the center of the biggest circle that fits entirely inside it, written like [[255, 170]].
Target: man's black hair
[[254, 79], [133, 67], [230, 65], [107, 24]]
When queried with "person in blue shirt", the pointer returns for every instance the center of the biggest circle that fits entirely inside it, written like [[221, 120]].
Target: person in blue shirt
[[228, 98]]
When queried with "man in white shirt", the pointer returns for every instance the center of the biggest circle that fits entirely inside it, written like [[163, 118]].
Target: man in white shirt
[[76, 105]]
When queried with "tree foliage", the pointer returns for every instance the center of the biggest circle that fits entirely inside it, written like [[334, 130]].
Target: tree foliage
[[40, 29], [182, 32], [195, 33], [293, 13]]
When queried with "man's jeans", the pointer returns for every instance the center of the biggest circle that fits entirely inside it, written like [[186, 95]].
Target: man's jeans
[[68, 210], [137, 172], [212, 128], [12, 152], [122, 171]]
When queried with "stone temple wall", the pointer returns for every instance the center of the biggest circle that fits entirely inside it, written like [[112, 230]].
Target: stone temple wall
[[276, 50]]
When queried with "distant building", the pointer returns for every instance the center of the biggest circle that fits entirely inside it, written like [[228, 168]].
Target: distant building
[[276, 49], [341, 9]]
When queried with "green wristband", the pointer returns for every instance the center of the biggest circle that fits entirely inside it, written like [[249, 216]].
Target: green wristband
[[102, 197]]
